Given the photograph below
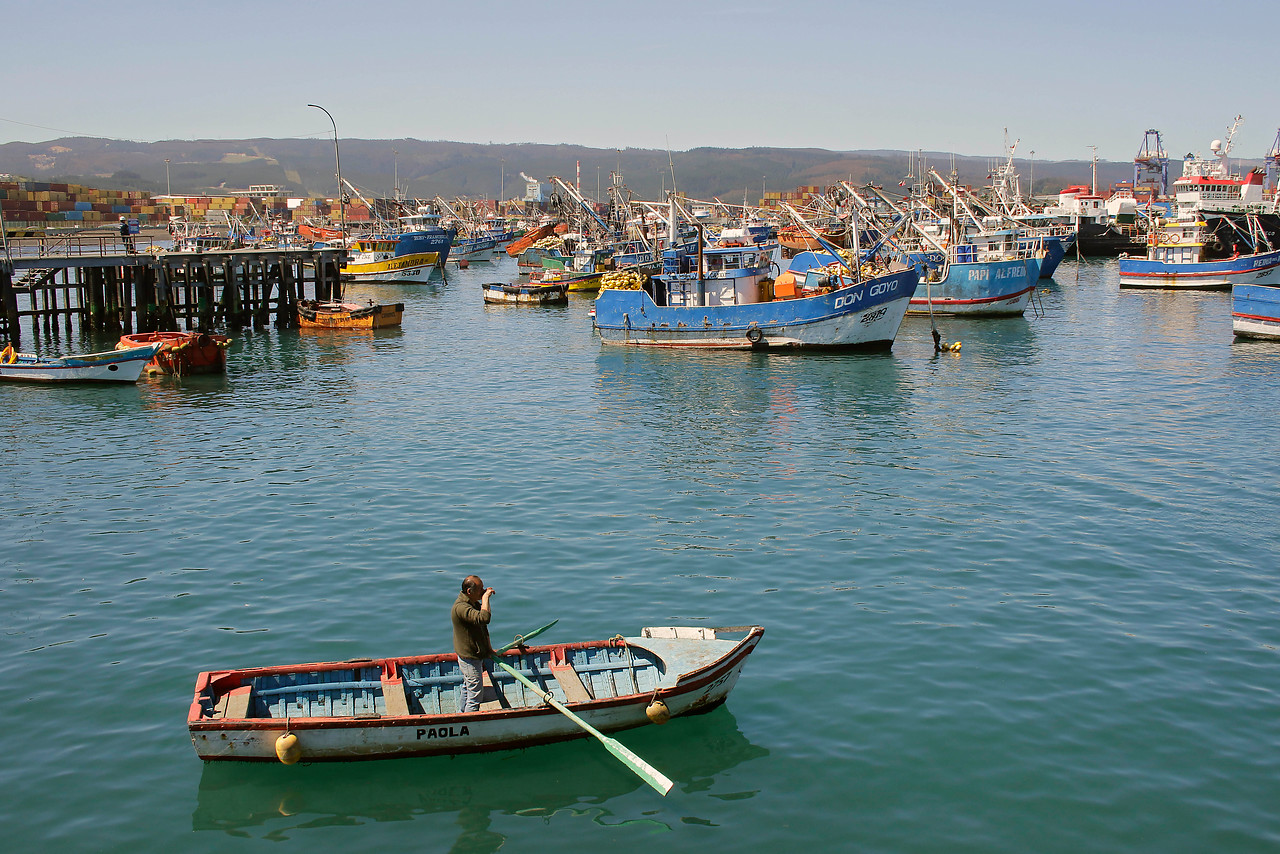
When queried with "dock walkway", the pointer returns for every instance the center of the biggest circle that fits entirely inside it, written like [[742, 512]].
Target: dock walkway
[[111, 286]]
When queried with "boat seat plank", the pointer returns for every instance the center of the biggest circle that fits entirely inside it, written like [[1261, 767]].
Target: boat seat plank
[[238, 702], [393, 697], [570, 682], [490, 697]]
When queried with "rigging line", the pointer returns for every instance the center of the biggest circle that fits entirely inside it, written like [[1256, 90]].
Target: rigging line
[[88, 135], [72, 132]]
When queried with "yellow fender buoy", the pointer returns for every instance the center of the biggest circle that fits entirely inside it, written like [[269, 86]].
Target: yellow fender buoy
[[658, 712], [288, 750]]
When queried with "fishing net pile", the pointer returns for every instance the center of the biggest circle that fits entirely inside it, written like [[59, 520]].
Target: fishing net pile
[[623, 280], [552, 242]]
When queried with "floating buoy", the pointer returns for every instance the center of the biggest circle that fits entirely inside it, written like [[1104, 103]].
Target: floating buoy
[[954, 348], [288, 750], [658, 712], [462, 264]]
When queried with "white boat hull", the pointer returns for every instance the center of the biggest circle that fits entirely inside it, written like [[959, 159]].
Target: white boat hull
[[392, 736], [115, 366]]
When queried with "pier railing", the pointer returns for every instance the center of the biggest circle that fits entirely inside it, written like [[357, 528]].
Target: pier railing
[[78, 245]]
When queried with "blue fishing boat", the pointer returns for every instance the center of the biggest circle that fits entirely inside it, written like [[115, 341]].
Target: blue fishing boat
[[970, 284], [1191, 253], [1004, 199], [474, 248], [720, 297], [975, 271], [499, 229], [1255, 311]]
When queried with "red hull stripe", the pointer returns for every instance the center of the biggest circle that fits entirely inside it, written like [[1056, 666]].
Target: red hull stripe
[[947, 301]]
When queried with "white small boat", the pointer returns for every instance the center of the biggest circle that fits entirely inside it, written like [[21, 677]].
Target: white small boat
[[411, 706], [534, 293], [114, 366]]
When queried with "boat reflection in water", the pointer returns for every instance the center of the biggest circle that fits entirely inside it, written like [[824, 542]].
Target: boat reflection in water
[[576, 775]]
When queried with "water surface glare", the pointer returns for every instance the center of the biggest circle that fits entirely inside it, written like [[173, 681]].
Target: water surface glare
[[1019, 598]]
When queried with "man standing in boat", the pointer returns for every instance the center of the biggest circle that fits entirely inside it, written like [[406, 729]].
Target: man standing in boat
[[471, 617]]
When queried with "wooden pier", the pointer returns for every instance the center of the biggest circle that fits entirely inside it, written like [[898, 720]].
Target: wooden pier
[[109, 285]]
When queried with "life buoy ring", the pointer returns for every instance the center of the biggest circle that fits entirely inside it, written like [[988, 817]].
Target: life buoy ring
[[1173, 238], [8, 356], [754, 335]]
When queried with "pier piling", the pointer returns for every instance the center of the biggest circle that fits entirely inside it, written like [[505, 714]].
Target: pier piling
[[109, 290]]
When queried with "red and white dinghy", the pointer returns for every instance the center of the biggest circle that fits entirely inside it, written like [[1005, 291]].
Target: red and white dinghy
[[181, 353], [395, 707]]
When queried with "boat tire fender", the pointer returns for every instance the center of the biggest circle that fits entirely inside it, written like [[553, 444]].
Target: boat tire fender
[[754, 335]]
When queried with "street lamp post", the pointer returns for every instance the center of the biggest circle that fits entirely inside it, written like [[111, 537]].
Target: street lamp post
[[1031, 191], [342, 205], [502, 181], [168, 189], [337, 159], [395, 166]]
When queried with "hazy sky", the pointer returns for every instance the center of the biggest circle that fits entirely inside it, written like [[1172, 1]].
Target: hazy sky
[[900, 74]]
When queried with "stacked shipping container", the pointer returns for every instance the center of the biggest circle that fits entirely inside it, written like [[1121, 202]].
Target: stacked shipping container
[[33, 202], [799, 196]]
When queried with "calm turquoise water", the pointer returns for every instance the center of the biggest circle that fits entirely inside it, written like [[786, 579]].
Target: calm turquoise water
[[1021, 598]]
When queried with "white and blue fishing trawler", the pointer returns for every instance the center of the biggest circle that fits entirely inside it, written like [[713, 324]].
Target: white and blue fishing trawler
[[1203, 253], [978, 271], [720, 296], [1056, 234], [994, 275]]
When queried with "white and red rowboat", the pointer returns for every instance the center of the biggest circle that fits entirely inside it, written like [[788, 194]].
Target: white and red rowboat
[[394, 707], [116, 366]]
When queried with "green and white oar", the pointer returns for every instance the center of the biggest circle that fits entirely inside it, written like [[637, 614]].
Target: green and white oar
[[642, 769], [520, 639]]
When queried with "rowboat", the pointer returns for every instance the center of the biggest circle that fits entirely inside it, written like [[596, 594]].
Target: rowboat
[[348, 315], [181, 353], [115, 366], [526, 294], [395, 707]]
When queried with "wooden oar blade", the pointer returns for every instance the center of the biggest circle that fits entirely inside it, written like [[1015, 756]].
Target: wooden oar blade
[[642, 769]]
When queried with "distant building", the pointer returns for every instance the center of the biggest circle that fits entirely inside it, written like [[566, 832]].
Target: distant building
[[532, 189], [265, 191]]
